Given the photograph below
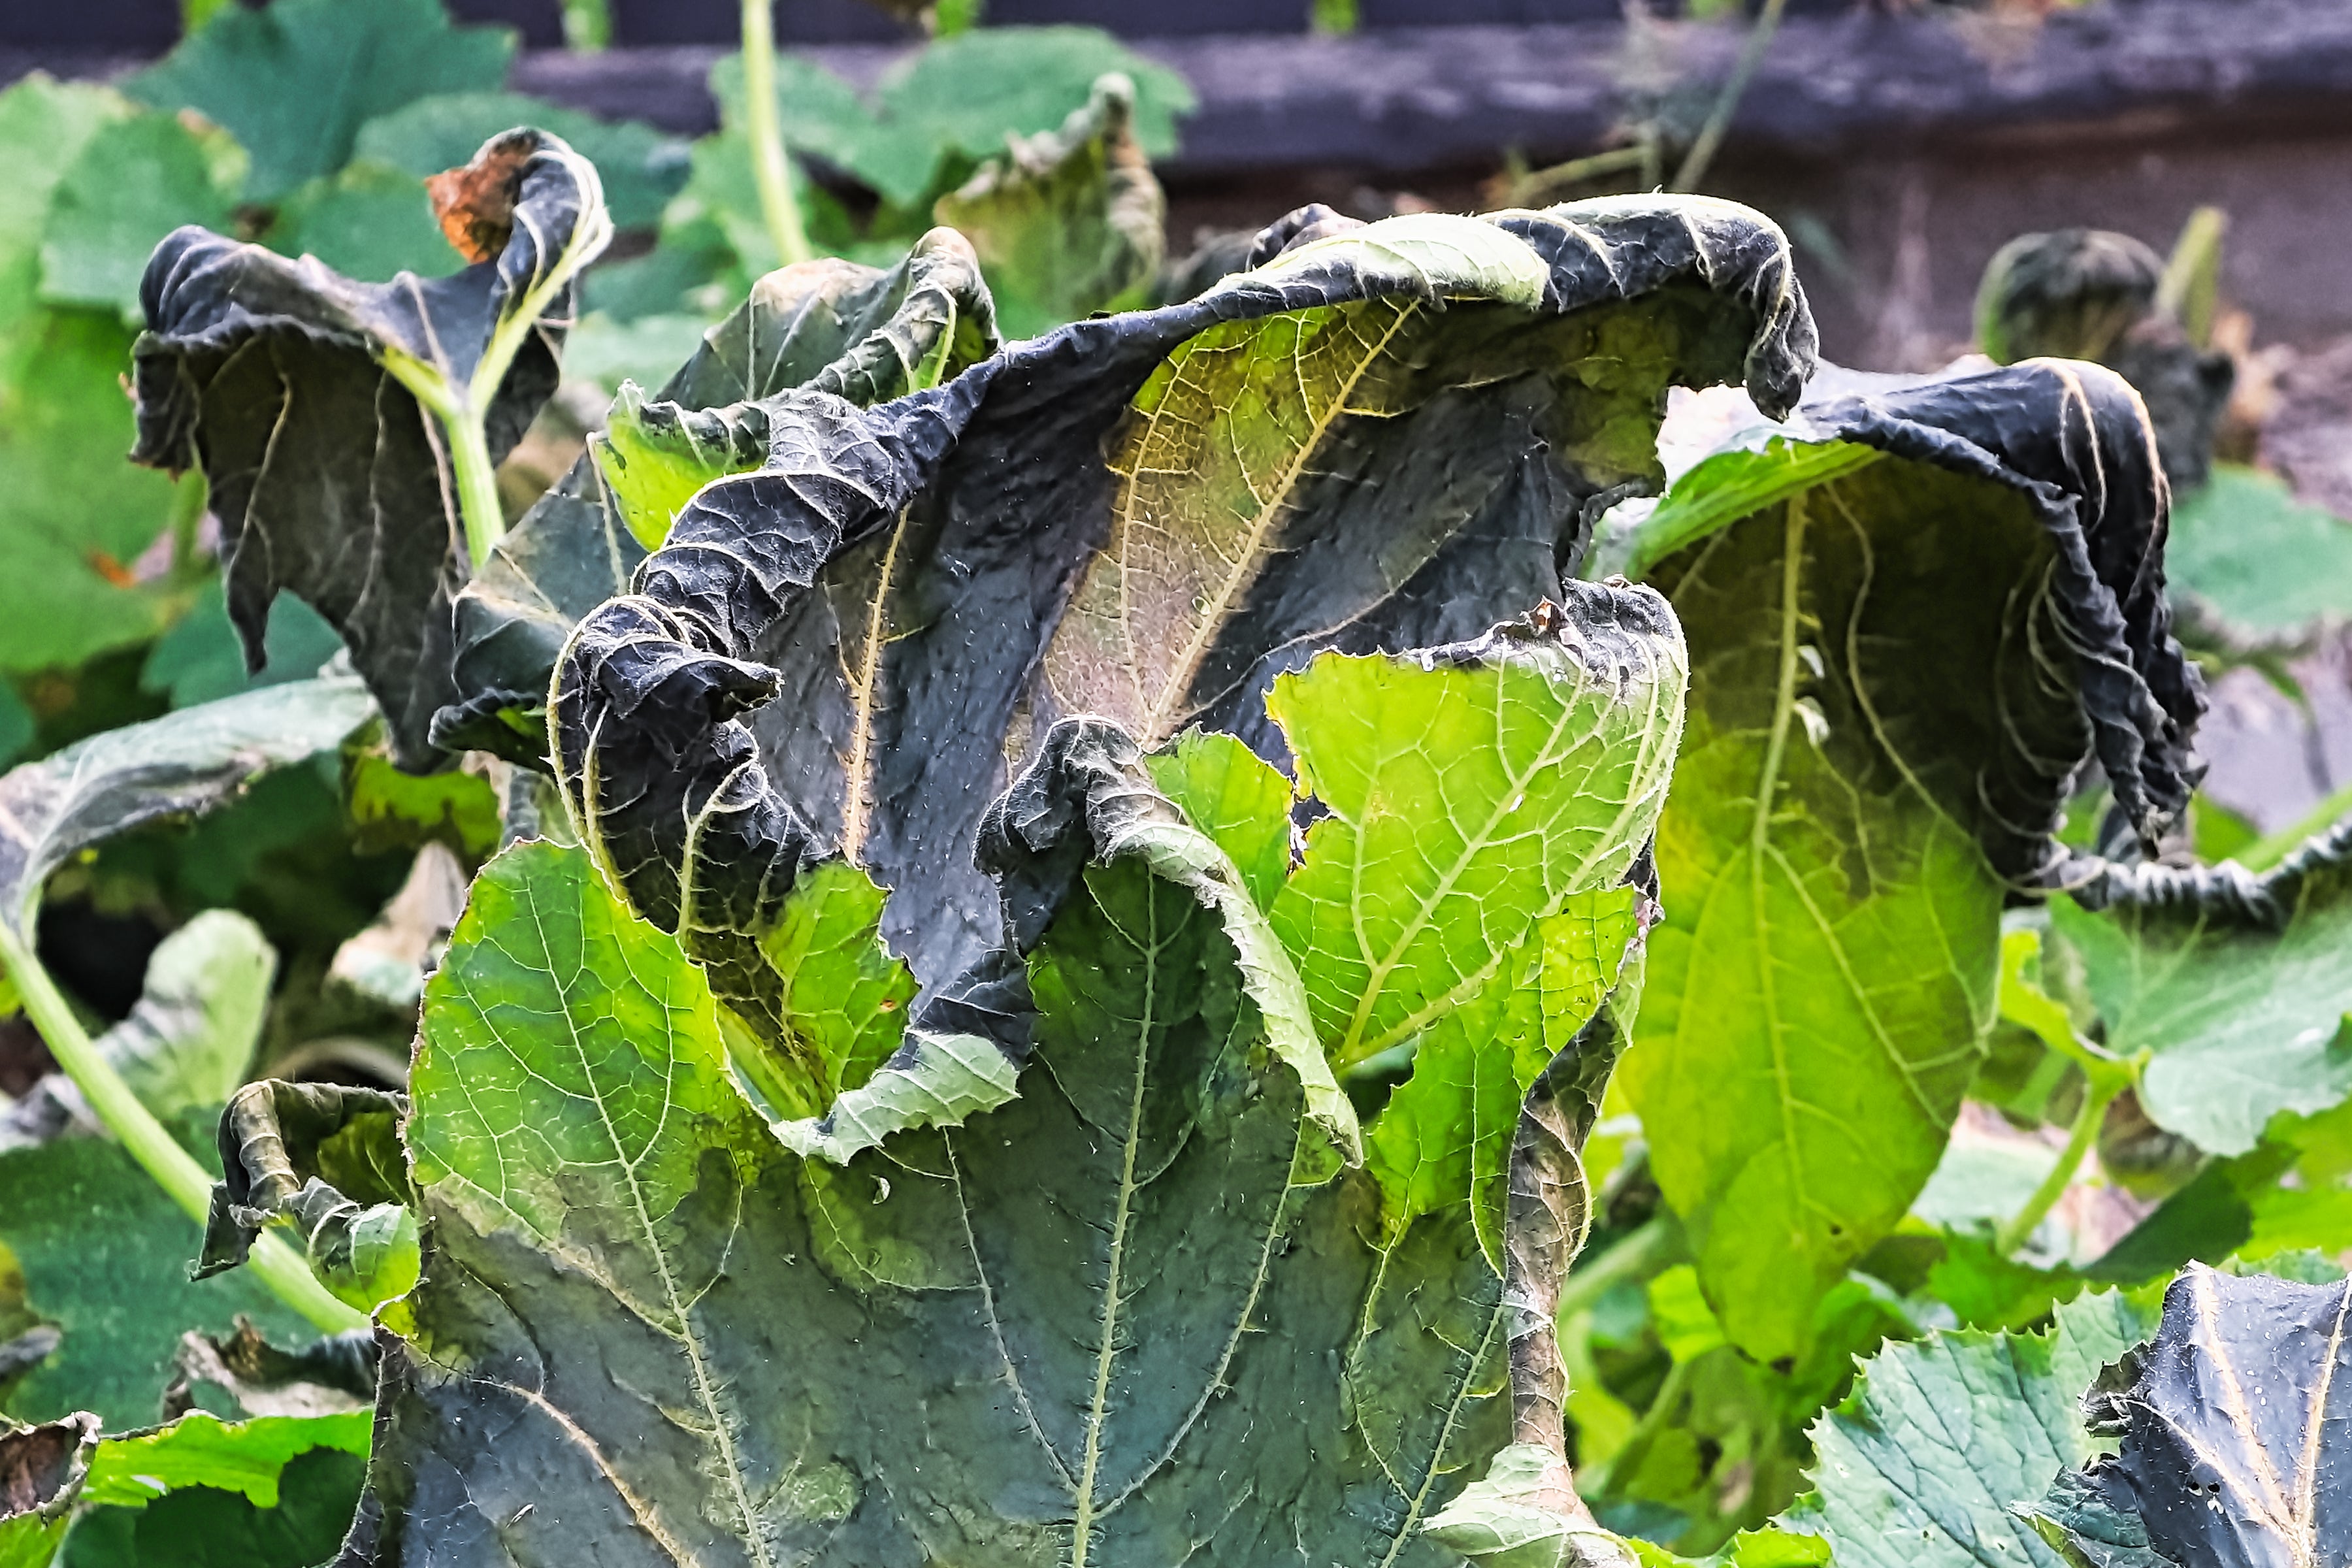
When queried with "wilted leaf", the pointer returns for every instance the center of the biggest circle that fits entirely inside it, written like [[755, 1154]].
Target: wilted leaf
[[294, 82], [1252, 511], [572, 1095], [298, 393], [187, 763], [869, 333], [1900, 658], [323, 1160], [2236, 1429], [640, 167], [2236, 985], [41, 1470], [1920, 1466], [1066, 222], [187, 1041]]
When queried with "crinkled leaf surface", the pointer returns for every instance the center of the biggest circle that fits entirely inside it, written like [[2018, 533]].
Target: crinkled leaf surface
[[867, 333], [2236, 1433], [2236, 986], [1897, 666], [1068, 221], [294, 83], [330, 478], [1383, 439], [323, 1159], [179, 765], [41, 1469], [1920, 1466]]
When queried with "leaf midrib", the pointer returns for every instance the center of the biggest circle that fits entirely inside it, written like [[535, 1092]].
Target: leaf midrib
[[1211, 617]]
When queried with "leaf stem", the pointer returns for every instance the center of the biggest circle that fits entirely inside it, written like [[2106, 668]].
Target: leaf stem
[[769, 170], [1726, 102], [2099, 1092], [478, 488], [157, 1152]]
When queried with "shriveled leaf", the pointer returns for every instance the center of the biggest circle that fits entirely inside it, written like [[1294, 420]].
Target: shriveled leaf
[[641, 168], [2248, 554], [387, 962], [2236, 1434], [188, 1039], [1473, 790], [175, 766], [868, 332], [303, 395], [323, 1160], [200, 1450], [899, 571], [1898, 664], [2237, 986], [1066, 222], [104, 1255], [295, 83], [41, 1471], [1053, 1333], [1919, 1467]]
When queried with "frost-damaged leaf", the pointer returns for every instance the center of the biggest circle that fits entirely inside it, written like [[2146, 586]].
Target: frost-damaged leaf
[[1383, 439], [1920, 615], [41, 1472], [323, 1159], [303, 395], [2236, 1429], [1067, 221], [1054, 1333], [175, 766], [2237, 986], [870, 333], [188, 1039], [1919, 1468]]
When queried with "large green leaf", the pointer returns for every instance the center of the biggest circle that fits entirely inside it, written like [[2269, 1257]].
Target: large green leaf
[[1043, 1336], [1469, 801], [2236, 1435], [1066, 222], [104, 1256], [305, 396], [134, 182], [2253, 557], [294, 83], [2237, 987], [212, 1526], [72, 513], [1919, 1467], [1384, 439], [1913, 620]]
